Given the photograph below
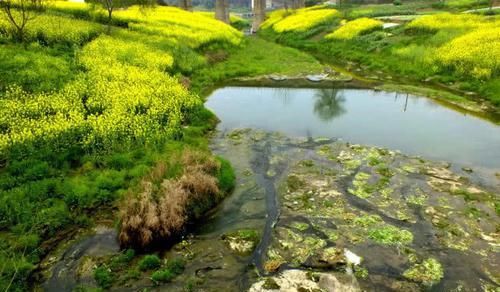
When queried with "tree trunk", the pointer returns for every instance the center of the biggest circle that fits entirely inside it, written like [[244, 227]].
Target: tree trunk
[[222, 10], [186, 5], [259, 14], [301, 4]]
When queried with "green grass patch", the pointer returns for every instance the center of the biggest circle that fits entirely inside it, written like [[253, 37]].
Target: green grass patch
[[257, 57]]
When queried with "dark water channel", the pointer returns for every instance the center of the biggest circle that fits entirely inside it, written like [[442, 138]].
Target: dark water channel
[[414, 125]]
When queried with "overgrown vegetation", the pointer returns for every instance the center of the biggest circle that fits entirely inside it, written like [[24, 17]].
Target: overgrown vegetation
[[85, 116], [161, 207], [459, 51]]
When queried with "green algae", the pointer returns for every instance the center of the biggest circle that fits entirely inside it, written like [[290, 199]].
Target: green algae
[[390, 235], [367, 220], [300, 226], [428, 272], [361, 188], [417, 198], [242, 241], [360, 272]]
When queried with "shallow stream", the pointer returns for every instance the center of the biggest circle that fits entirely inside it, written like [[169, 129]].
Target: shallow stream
[[314, 208]]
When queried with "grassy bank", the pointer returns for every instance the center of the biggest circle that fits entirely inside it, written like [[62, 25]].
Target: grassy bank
[[86, 117], [457, 51], [94, 120]]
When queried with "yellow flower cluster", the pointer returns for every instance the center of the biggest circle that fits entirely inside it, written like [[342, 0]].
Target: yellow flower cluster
[[130, 52], [69, 5], [299, 20], [232, 18], [473, 46], [183, 26], [475, 54], [56, 29], [440, 21], [274, 17], [124, 95], [355, 28]]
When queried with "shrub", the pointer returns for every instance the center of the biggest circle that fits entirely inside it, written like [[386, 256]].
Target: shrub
[[173, 268], [176, 265], [121, 261], [164, 276], [355, 28], [103, 277], [149, 262]]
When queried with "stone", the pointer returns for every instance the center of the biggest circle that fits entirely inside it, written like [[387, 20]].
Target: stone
[[277, 77], [316, 77], [330, 283], [298, 280]]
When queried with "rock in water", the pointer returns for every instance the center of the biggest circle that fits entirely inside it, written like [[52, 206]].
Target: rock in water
[[277, 77], [317, 77]]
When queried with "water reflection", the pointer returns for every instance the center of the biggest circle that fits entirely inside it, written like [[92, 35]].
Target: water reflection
[[329, 103], [412, 124]]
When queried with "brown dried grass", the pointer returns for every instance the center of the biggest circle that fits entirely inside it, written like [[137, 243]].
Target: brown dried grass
[[162, 207]]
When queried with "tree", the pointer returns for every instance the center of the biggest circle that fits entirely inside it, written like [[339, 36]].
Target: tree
[[19, 13], [259, 14], [222, 10], [297, 4], [186, 5], [111, 5]]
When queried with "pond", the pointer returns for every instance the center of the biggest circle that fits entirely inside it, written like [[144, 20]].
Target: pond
[[412, 124]]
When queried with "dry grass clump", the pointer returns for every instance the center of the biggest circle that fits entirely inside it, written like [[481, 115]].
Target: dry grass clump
[[162, 207]]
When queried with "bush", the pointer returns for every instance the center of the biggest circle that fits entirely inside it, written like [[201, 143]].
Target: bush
[[122, 260], [103, 277], [397, 2], [173, 268], [149, 262], [162, 276]]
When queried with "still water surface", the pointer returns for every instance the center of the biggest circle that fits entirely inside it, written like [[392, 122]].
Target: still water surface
[[412, 124]]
